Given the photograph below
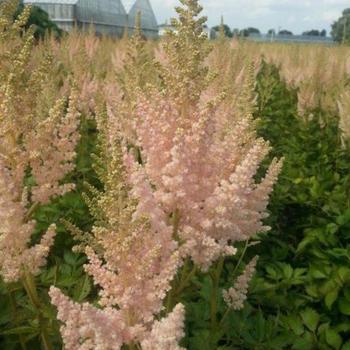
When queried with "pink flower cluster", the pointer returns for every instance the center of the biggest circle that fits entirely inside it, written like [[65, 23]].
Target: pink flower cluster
[[182, 185], [88, 328], [48, 152], [137, 263], [235, 296], [206, 173]]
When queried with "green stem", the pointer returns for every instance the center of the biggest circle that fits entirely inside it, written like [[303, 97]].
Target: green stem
[[176, 291], [15, 317], [184, 282], [241, 257], [227, 312], [176, 222], [214, 295], [31, 211], [31, 289], [169, 301]]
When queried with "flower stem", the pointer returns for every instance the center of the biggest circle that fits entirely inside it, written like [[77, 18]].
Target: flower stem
[[185, 280], [31, 211], [214, 294], [241, 257], [227, 312], [15, 317], [31, 289]]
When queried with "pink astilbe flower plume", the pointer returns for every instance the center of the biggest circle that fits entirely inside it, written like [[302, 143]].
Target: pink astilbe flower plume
[[34, 142], [48, 151], [132, 255], [235, 296], [180, 184], [199, 156], [88, 328]]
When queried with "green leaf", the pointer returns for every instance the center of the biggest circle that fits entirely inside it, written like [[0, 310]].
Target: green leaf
[[70, 258], [344, 273], [303, 343], [311, 319], [82, 289], [294, 322], [332, 228], [304, 243], [333, 339], [346, 346], [344, 306], [287, 271], [20, 330], [347, 293], [331, 297]]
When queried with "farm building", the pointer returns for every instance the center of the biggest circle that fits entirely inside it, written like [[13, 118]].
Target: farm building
[[108, 16]]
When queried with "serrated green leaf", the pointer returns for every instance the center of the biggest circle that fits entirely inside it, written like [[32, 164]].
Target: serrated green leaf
[[344, 306], [333, 339], [331, 297], [295, 323], [82, 289], [311, 319]]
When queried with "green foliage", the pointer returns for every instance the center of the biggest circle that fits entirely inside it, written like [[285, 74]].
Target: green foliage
[[225, 28], [41, 22], [315, 32], [248, 31], [285, 32], [341, 28], [304, 272]]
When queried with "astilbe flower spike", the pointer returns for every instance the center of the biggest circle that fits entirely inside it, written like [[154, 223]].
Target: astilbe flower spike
[[32, 144], [48, 151], [235, 296], [184, 185], [132, 258], [200, 158]]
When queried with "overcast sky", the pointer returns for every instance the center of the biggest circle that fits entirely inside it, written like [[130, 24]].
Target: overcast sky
[[295, 15]]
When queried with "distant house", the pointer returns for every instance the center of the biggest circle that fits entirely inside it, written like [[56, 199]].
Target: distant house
[[108, 17], [306, 39]]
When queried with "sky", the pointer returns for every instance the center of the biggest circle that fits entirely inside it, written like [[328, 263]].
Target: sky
[[294, 15]]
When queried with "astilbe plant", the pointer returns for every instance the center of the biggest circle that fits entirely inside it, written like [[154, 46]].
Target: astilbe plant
[[134, 70], [31, 145], [36, 153], [187, 193], [132, 257], [201, 164]]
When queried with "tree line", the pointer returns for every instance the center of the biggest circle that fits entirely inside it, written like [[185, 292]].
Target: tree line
[[340, 31]]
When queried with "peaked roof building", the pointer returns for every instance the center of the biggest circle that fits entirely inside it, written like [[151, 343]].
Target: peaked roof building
[[148, 19], [107, 16]]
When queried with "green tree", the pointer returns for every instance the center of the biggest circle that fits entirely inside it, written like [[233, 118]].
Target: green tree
[[249, 31], [223, 29], [285, 32], [41, 22], [341, 28], [312, 32], [315, 32]]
